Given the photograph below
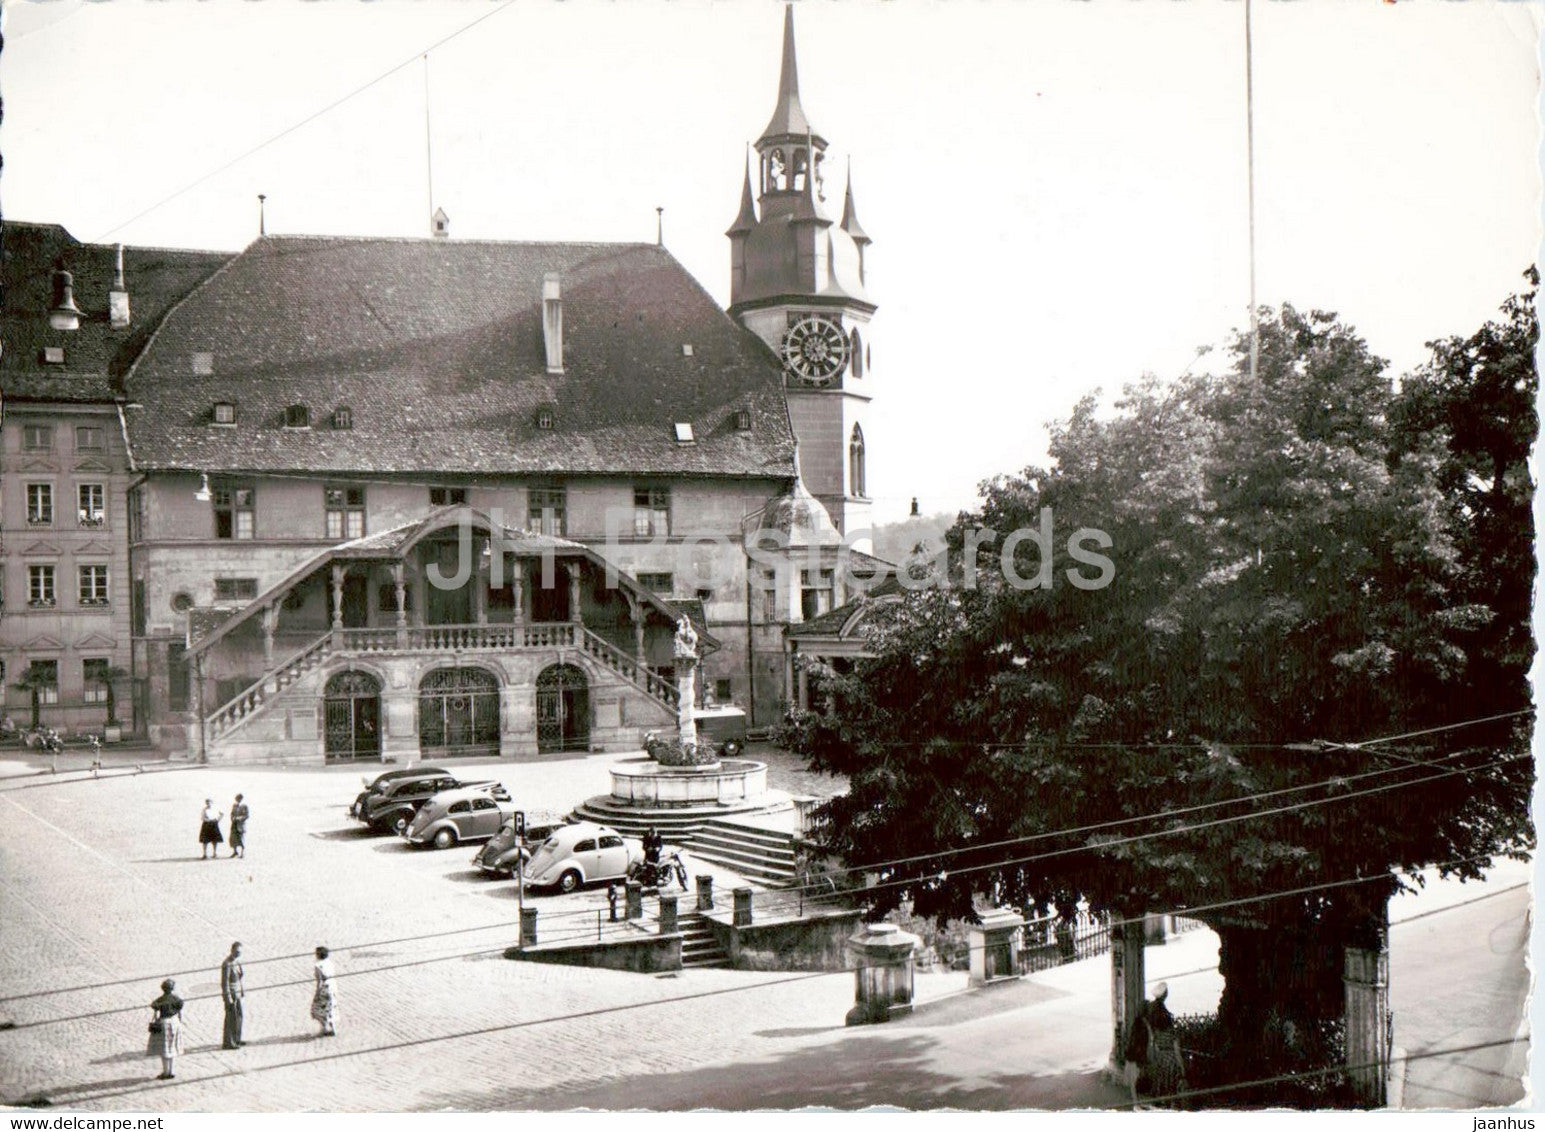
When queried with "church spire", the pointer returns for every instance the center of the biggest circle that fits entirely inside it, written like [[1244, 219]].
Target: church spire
[[788, 118]]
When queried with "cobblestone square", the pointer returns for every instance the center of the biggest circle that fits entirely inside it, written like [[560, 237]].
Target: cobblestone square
[[106, 895]]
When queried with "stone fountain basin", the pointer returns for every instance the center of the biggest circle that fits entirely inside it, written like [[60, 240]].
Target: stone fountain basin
[[642, 781]]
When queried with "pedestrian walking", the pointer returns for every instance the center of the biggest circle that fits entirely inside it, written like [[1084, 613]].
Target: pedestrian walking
[[209, 838], [239, 814], [232, 992], [324, 1003], [1153, 1061], [166, 1030]]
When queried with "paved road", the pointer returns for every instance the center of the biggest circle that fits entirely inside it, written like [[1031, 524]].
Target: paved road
[[1458, 977]]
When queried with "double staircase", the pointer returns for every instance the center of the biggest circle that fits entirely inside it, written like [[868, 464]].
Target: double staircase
[[251, 702]]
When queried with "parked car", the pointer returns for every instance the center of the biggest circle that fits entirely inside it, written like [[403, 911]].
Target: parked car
[[470, 814], [503, 856], [581, 854], [392, 810], [379, 784]]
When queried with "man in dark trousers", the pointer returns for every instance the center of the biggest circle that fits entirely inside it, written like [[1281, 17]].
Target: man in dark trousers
[[231, 993]]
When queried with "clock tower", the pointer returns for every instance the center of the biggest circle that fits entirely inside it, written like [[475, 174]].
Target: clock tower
[[797, 282]]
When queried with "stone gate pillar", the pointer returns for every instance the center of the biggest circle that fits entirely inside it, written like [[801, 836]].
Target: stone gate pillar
[[992, 942], [1128, 983], [1365, 975], [883, 981]]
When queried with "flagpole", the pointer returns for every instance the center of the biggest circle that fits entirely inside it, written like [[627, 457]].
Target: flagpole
[[1255, 318]]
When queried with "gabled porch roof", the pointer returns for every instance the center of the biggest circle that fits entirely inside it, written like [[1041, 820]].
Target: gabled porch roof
[[205, 628]]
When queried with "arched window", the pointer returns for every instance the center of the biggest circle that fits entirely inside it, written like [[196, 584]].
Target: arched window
[[856, 462], [856, 353]]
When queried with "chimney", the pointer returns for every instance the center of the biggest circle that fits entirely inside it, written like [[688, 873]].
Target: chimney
[[118, 297], [552, 322], [916, 513], [440, 224], [65, 315]]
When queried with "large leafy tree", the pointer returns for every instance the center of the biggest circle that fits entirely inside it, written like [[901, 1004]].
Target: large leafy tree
[[1478, 395], [1289, 566]]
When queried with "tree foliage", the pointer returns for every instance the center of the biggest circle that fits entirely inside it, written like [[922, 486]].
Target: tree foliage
[[1294, 561]]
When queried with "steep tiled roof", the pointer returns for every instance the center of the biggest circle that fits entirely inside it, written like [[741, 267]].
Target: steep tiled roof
[[95, 355], [436, 348]]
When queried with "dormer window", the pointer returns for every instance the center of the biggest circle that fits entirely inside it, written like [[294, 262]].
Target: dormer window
[[343, 418], [686, 349], [544, 419], [742, 420], [53, 355], [224, 413], [297, 416], [684, 433]]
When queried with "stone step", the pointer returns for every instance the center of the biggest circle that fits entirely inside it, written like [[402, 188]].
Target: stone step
[[770, 851], [748, 834], [749, 869], [745, 861], [699, 946]]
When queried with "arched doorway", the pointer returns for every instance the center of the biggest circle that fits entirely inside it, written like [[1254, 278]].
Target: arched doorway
[[562, 709], [351, 713], [458, 713]]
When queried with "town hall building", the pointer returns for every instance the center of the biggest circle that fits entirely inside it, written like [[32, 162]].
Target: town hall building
[[441, 497]]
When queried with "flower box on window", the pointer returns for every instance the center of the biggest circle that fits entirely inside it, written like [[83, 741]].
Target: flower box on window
[[89, 519], [41, 603], [91, 601], [40, 520]]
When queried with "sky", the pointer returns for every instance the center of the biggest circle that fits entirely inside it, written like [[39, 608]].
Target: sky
[[1057, 191]]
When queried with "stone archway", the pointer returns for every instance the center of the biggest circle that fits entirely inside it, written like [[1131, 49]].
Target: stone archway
[[458, 713], [562, 709], [351, 716]]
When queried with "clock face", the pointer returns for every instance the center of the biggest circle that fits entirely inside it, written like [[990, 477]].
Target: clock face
[[815, 350]]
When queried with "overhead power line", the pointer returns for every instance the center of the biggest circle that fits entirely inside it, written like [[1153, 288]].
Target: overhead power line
[[288, 130]]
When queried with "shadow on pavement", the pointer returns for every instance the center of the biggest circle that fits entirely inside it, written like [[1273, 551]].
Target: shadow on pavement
[[854, 1073], [352, 833], [396, 846], [471, 876]]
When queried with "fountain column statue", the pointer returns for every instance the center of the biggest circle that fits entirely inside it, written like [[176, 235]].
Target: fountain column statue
[[686, 681]]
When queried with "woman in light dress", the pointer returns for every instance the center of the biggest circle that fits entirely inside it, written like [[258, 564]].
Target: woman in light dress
[[166, 1030], [324, 1003]]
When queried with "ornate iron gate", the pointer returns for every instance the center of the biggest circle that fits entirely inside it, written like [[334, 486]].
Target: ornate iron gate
[[562, 709], [458, 713], [351, 707]]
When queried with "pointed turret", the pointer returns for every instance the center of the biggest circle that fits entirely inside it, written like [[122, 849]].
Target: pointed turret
[[850, 223], [745, 219], [788, 117]]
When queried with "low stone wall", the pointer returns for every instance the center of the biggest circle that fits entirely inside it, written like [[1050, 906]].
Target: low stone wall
[[644, 955], [816, 941]]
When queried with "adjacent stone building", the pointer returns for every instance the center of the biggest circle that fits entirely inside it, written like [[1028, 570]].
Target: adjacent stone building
[[73, 318]]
